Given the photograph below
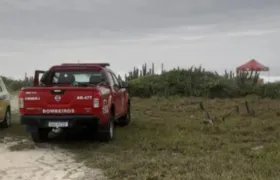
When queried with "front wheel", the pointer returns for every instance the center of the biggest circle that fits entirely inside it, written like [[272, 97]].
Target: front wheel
[[125, 120], [7, 119]]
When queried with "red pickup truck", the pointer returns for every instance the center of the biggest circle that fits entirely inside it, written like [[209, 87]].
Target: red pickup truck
[[75, 95]]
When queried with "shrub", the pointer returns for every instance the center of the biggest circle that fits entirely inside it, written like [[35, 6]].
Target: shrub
[[198, 82], [195, 82], [15, 85]]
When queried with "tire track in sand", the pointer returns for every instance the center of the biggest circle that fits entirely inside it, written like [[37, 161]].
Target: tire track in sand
[[42, 163]]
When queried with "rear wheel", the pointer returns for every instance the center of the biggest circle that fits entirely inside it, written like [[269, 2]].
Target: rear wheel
[[106, 132], [41, 135], [7, 119], [125, 120]]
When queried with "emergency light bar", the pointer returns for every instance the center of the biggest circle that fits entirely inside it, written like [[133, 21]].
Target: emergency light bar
[[86, 64]]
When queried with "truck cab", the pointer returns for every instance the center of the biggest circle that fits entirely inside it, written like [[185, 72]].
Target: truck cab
[[75, 95]]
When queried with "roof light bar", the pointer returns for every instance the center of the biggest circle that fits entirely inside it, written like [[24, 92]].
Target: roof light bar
[[86, 64]]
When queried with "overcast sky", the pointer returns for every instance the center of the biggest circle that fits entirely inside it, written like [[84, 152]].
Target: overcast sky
[[217, 34]]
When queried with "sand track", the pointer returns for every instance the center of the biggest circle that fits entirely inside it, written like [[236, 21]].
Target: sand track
[[46, 162], [41, 163]]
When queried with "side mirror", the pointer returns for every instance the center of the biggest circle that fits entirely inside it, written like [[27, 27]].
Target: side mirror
[[116, 86], [124, 84]]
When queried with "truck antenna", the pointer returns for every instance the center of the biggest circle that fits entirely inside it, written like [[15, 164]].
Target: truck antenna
[[79, 64]]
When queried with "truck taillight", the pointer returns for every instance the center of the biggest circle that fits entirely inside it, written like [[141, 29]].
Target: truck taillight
[[21, 103], [96, 102], [97, 99]]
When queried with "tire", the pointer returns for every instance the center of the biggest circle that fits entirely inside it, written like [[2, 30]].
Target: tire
[[7, 119], [125, 120], [106, 132], [41, 135]]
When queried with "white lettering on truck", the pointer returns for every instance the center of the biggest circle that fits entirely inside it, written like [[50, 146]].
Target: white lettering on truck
[[58, 111], [84, 97], [32, 98], [30, 92]]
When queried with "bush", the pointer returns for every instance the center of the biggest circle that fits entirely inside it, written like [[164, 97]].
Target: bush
[[198, 82], [192, 82], [15, 85]]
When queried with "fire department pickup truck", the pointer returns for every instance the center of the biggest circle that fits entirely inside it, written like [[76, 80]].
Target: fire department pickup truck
[[75, 95]]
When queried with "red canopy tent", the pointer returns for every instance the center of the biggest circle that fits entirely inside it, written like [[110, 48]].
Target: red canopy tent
[[252, 65]]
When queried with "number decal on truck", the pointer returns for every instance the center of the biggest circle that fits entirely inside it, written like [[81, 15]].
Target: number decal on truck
[[105, 107], [84, 97], [110, 100]]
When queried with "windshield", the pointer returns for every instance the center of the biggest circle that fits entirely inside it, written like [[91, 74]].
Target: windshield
[[85, 77]]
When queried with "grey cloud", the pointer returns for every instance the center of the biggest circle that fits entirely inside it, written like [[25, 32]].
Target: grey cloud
[[66, 19], [40, 33]]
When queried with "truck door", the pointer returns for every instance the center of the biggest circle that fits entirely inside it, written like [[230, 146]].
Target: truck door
[[39, 77], [119, 96]]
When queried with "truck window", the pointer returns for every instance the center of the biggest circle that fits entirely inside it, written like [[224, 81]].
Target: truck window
[[80, 76], [111, 79], [116, 82], [43, 77]]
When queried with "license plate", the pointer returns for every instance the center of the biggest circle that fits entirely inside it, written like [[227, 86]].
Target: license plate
[[58, 124]]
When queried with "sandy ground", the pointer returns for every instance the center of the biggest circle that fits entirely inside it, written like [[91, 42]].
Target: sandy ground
[[40, 163]]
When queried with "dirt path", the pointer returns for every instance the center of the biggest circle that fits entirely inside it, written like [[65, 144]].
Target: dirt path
[[46, 162]]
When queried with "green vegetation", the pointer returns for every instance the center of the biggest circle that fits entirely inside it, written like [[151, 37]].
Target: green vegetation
[[172, 139], [198, 82], [192, 82], [176, 139], [17, 84]]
